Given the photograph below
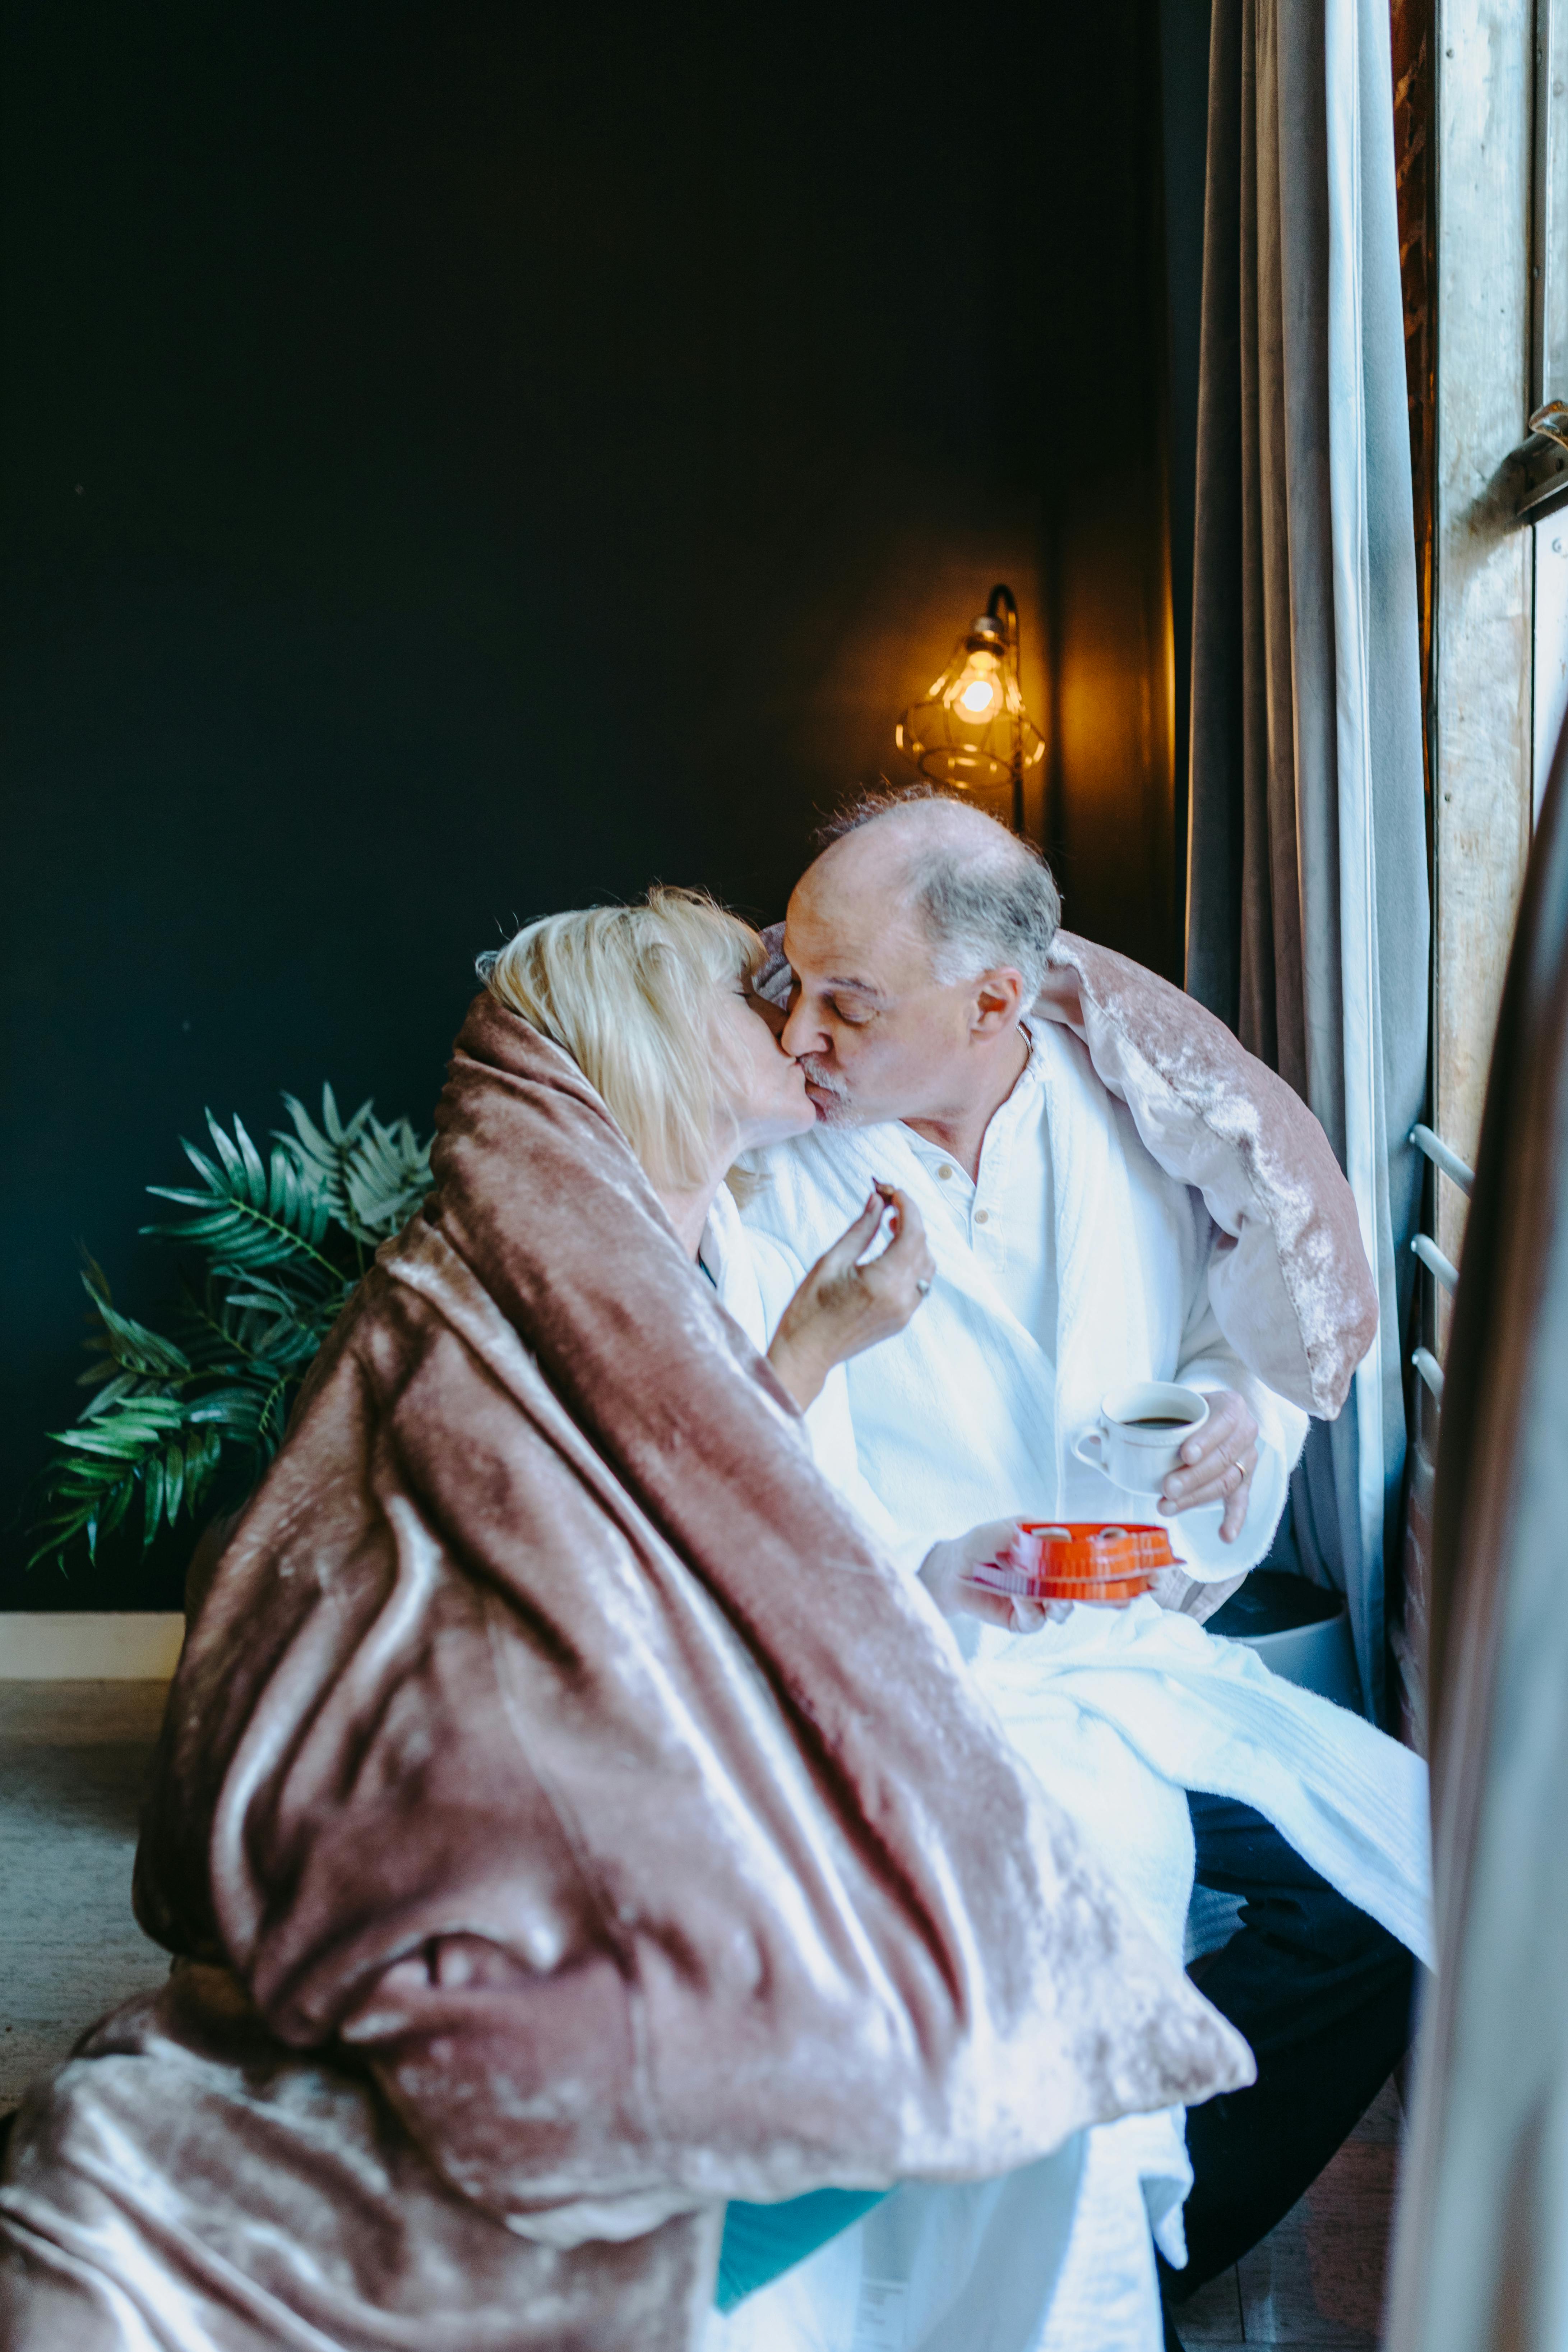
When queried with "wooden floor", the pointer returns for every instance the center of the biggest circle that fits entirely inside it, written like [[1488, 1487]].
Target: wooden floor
[[73, 1760], [1317, 2281]]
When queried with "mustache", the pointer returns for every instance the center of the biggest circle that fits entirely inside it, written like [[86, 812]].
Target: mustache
[[815, 1076]]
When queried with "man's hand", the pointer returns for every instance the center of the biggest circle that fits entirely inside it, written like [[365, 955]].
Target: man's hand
[[945, 1573], [847, 1303], [1217, 1464]]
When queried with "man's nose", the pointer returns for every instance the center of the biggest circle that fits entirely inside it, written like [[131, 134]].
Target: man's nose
[[801, 1034]]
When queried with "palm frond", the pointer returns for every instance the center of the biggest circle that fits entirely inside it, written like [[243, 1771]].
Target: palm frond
[[249, 1412], [151, 1442], [389, 1176], [266, 1324], [229, 1333], [247, 1216], [323, 1150], [279, 1246], [374, 1176], [128, 1350]]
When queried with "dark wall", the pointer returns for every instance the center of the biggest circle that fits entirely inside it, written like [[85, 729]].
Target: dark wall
[[465, 460], [1114, 822]]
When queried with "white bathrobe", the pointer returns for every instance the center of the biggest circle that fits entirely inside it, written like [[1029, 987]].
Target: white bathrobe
[[966, 1418]]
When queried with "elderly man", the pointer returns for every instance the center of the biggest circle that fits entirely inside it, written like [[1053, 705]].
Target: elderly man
[[1069, 1262]]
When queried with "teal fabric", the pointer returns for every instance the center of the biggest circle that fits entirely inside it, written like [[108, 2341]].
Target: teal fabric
[[762, 2241]]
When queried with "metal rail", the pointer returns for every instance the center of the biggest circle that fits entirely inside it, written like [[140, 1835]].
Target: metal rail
[[1438, 1153], [1447, 1271], [1541, 464], [1427, 1249]]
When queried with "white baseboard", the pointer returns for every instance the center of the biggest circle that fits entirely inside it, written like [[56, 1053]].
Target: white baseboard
[[64, 1645]]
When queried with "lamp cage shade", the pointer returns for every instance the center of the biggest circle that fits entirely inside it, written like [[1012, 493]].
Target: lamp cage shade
[[971, 732]]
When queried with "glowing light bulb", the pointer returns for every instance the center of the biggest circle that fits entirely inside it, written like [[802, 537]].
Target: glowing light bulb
[[975, 695]]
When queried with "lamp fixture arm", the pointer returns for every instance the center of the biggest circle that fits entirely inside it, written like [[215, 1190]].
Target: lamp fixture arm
[[1001, 605]]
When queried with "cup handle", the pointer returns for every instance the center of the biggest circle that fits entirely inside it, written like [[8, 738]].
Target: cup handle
[[1096, 1461]]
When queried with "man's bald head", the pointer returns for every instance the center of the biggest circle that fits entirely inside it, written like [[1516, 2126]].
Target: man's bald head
[[982, 897], [918, 942]]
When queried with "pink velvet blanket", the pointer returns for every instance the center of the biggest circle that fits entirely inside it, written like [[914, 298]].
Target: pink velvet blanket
[[556, 1778]]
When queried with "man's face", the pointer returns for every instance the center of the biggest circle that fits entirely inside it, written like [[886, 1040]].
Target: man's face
[[877, 1035]]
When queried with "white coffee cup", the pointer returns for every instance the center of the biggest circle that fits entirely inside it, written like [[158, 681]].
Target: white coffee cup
[[1141, 1430]]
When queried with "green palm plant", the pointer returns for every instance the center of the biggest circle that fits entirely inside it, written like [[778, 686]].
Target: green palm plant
[[273, 1248]]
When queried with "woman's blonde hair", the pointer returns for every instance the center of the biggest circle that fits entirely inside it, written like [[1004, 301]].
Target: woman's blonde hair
[[630, 993]]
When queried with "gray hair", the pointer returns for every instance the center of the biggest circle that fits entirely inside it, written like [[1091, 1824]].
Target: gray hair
[[987, 899]]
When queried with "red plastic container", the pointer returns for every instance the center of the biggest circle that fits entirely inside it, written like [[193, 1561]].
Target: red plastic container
[[1078, 1560]]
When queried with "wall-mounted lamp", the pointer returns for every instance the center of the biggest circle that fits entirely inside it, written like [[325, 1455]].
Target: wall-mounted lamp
[[972, 731]]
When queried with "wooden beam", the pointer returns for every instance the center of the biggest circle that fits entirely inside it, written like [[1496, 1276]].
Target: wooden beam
[[1481, 728]]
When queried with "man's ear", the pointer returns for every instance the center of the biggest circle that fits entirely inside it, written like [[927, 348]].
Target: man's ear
[[998, 1002]]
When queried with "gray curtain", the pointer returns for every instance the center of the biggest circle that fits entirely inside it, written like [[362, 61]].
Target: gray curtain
[[1306, 908], [1481, 2249]]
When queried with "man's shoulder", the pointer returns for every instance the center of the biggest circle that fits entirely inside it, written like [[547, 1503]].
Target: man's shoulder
[[1058, 1052], [1076, 1088], [1072, 1084]]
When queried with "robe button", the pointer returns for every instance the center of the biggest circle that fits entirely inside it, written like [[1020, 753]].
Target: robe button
[[944, 1171], [982, 1216]]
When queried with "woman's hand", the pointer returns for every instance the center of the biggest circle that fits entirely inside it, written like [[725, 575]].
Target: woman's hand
[[843, 1305], [945, 1572]]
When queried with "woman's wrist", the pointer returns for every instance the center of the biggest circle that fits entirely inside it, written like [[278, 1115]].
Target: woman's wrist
[[798, 1368], [940, 1572]]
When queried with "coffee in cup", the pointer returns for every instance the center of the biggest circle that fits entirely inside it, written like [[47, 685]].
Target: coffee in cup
[[1137, 1439]]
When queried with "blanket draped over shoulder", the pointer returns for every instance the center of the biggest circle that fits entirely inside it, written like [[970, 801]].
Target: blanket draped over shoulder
[[554, 1760]]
